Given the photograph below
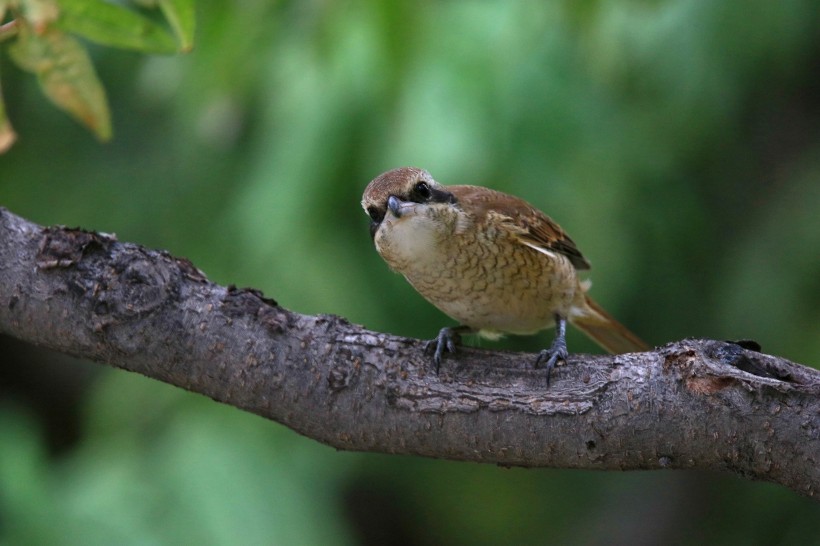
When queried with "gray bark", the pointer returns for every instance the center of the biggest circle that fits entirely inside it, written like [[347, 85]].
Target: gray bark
[[701, 404]]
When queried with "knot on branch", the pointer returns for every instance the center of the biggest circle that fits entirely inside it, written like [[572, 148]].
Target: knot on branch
[[119, 282], [64, 247]]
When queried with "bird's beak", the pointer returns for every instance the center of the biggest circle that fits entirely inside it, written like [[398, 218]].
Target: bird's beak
[[398, 207]]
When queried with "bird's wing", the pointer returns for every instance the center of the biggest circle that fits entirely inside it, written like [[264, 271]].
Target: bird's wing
[[528, 224]]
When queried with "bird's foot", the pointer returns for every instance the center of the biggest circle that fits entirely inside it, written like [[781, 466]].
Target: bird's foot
[[447, 340], [557, 352]]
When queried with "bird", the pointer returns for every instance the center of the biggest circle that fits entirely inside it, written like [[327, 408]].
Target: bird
[[489, 260]]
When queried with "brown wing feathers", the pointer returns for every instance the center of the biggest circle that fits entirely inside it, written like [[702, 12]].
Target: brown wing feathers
[[532, 225]]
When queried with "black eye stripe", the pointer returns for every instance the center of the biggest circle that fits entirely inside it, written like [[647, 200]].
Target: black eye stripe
[[442, 196], [420, 193], [377, 215], [424, 193], [423, 190]]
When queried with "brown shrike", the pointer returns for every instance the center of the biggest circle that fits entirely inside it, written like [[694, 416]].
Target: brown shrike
[[489, 260]]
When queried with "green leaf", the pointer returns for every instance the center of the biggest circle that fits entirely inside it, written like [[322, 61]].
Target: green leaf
[[66, 75], [112, 25], [182, 18], [39, 13], [7, 134], [7, 30]]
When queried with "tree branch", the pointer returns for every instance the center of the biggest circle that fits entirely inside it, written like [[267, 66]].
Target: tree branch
[[691, 404]]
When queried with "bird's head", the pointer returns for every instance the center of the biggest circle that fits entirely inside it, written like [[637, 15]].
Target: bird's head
[[404, 193]]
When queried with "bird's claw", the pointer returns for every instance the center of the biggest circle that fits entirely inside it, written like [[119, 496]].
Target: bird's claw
[[446, 340], [557, 352]]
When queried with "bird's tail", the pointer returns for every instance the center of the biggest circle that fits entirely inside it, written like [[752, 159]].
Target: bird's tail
[[605, 330]]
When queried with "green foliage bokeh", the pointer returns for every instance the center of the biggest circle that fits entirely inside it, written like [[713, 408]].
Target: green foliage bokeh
[[676, 141]]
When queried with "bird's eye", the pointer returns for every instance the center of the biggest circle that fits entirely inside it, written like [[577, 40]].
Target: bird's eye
[[422, 190], [375, 214]]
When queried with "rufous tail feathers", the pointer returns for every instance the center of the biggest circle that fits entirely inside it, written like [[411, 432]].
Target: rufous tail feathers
[[606, 331]]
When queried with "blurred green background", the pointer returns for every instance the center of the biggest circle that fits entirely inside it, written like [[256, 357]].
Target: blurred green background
[[678, 142]]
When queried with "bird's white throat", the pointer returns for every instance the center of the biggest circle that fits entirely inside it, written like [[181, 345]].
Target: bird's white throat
[[411, 240]]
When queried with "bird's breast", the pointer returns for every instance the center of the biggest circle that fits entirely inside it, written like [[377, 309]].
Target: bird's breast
[[480, 276]]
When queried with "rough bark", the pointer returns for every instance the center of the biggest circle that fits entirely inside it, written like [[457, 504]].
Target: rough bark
[[702, 404]]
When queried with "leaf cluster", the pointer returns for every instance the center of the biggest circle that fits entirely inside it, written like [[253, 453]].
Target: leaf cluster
[[43, 37]]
